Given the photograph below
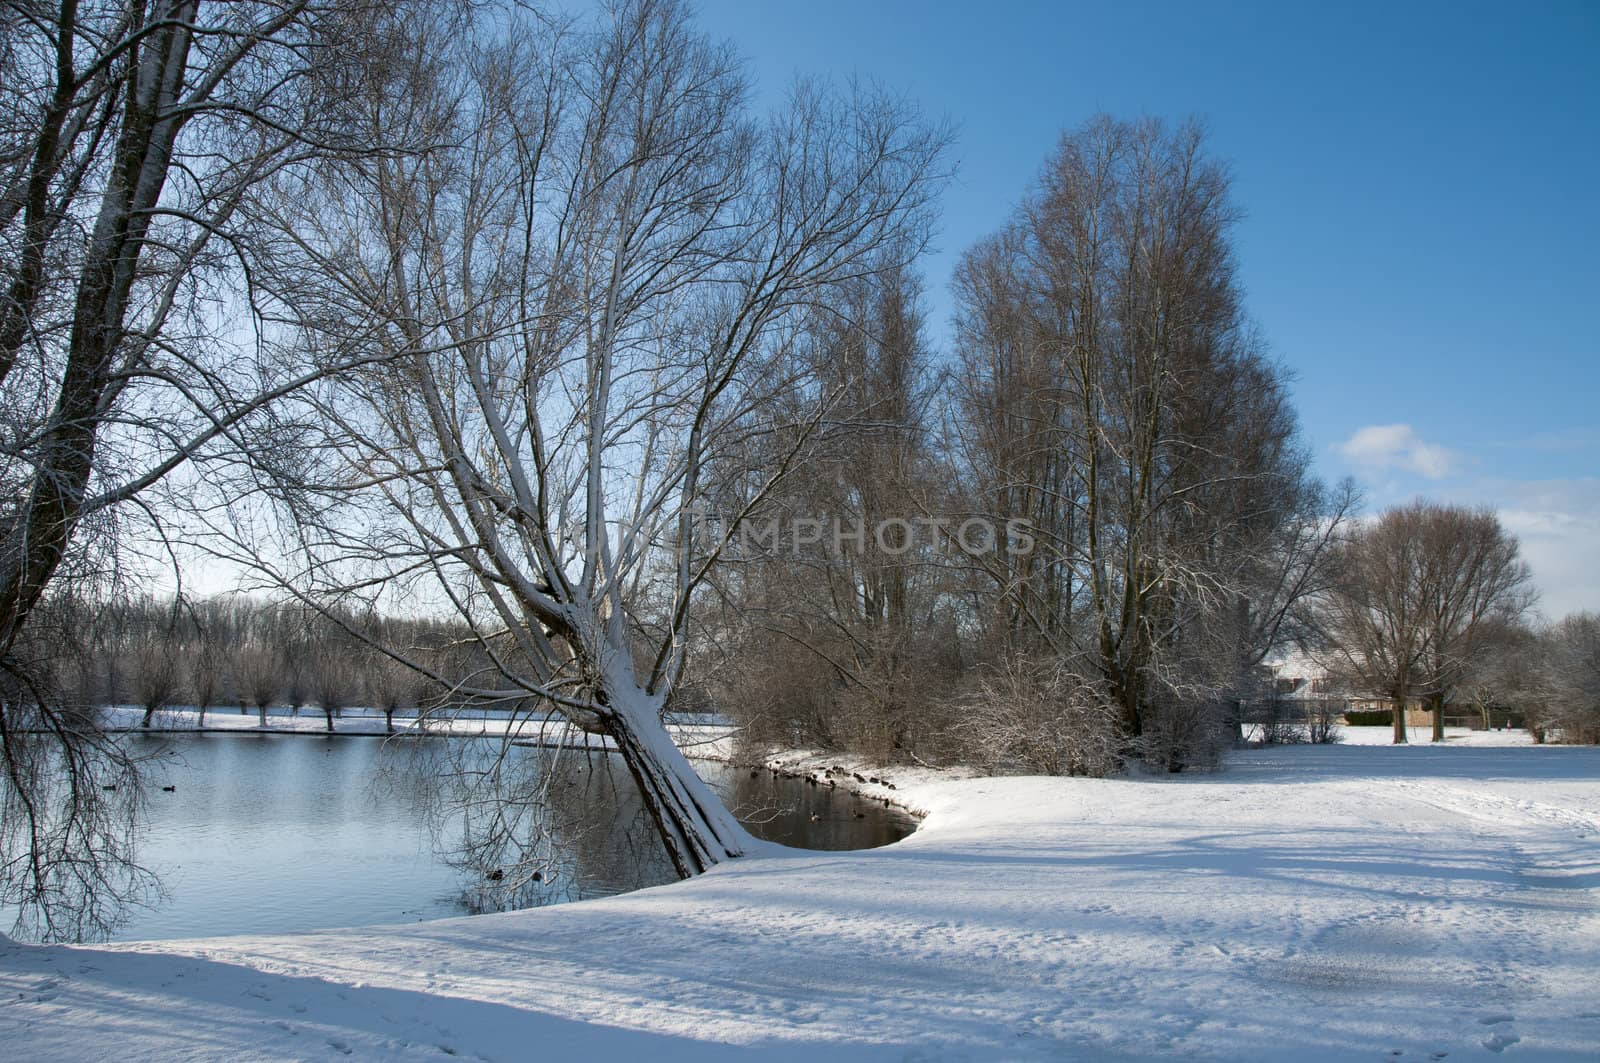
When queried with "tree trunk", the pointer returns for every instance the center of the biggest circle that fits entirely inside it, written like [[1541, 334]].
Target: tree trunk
[[327, 714], [1125, 691], [148, 713], [1438, 717], [695, 828], [1400, 717], [41, 529], [388, 721], [262, 709]]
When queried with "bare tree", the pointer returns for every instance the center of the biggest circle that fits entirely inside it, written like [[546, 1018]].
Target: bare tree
[[567, 312], [68, 811], [1419, 594], [855, 612], [1476, 587], [298, 672], [157, 678], [131, 134], [1374, 614], [1568, 701], [256, 675], [203, 656], [389, 687], [1508, 673], [331, 680], [1114, 394]]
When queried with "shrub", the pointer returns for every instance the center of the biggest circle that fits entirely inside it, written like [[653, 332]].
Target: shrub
[[1037, 715], [1184, 732], [1322, 725]]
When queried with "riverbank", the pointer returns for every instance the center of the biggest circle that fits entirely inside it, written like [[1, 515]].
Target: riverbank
[[1343, 902], [714, 737]]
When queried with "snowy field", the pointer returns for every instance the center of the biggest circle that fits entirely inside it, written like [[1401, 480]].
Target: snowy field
[[1455, 736], [1335, 902]]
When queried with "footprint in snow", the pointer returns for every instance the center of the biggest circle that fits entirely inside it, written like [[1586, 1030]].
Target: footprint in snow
[[1499, 1042]]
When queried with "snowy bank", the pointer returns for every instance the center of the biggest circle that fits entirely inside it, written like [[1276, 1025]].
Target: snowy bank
[[1335, 902], [715, 736]]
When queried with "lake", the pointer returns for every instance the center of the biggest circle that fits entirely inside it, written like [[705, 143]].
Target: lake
[[267, 833]]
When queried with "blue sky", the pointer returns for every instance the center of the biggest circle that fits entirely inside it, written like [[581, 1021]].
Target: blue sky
[[1421, 185]]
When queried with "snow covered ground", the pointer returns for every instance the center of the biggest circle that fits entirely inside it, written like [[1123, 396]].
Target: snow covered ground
[[1455, 736], [1333, 902]]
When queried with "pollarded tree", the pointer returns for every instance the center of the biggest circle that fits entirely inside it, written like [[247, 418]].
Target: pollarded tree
[[256, 676], [157, 676], [206, 633], [569, 308], [389, 686]]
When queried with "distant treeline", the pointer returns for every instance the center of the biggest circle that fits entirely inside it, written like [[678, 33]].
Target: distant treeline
[[244, 653]]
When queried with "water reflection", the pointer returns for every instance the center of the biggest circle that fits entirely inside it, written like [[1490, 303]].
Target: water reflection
[[529, 826], [279, 833]]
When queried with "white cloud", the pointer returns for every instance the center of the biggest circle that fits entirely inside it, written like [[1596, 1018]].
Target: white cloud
[[1383, 446], [1558, 525], [1556, 522]]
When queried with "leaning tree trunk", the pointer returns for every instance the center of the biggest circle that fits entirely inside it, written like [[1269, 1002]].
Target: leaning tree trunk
[[695, 827]]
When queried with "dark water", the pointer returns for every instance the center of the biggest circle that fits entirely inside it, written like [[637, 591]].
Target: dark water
[[279, 833]]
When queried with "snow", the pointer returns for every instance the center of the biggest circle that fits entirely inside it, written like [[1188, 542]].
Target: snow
[[1311, 902], [1423, 735], [714, 734]]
